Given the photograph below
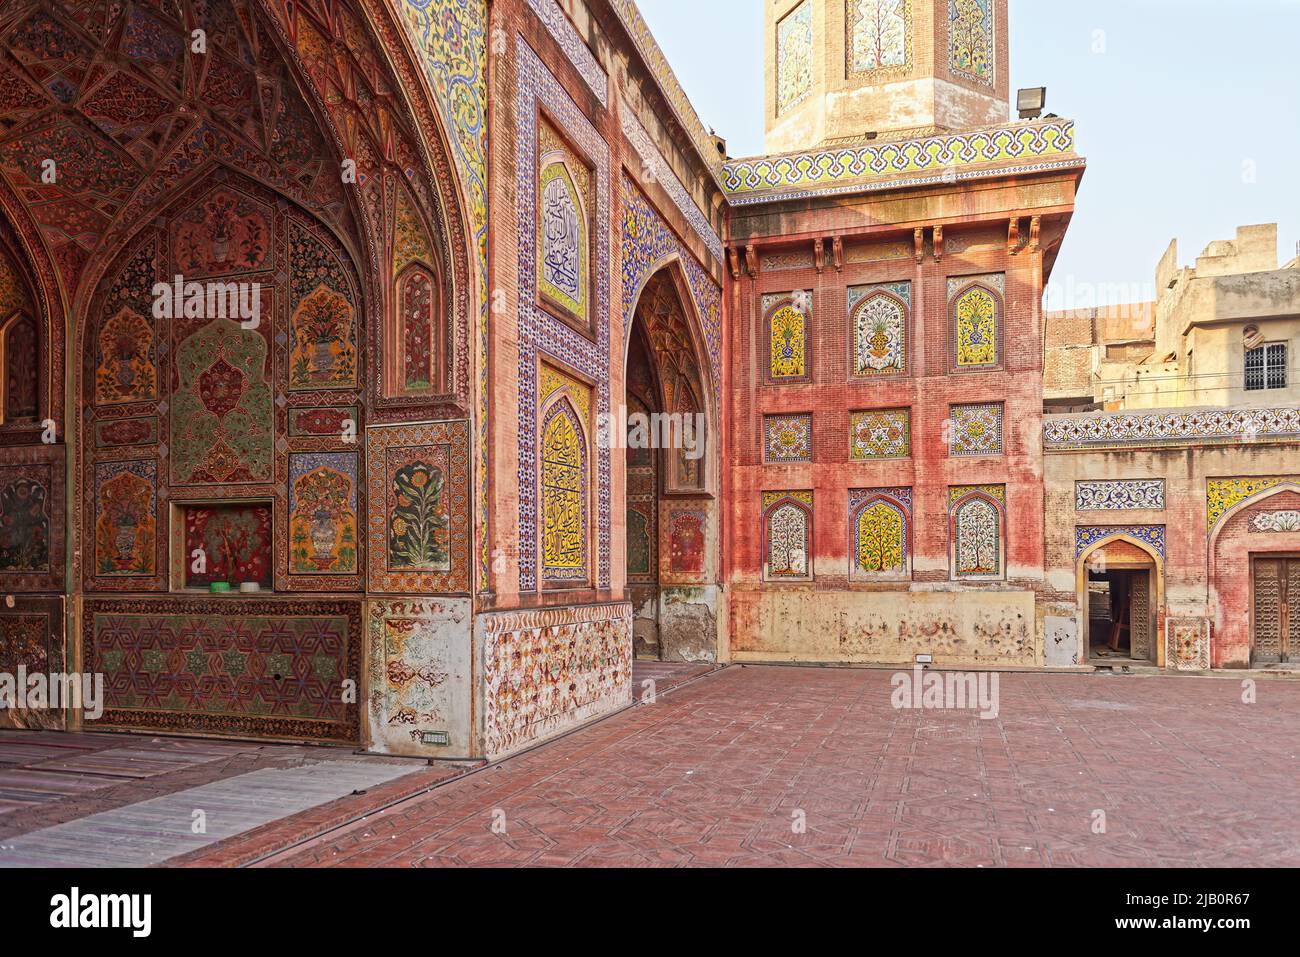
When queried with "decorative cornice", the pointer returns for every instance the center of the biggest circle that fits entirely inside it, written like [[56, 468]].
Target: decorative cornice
[[574, 47], [876, 166], [663, 74], [1169, 427], [640, 140]]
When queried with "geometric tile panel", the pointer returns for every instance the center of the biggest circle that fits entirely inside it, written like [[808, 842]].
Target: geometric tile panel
[[976, 429], [228, 666], [880, 434], [787, 438]]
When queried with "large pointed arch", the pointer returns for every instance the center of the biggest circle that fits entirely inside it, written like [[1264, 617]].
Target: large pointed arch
[[1088, 556], [675, 337]]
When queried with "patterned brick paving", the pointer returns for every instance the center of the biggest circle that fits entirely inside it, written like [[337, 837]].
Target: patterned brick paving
[[713, 773]]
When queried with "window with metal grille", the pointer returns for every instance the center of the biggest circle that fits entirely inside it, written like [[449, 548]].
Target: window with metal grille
[[1266, 367]]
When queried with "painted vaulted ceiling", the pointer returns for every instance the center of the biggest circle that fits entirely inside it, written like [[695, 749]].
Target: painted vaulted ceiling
[[119, 96]]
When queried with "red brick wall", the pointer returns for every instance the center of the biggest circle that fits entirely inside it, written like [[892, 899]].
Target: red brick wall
[[928, 390]]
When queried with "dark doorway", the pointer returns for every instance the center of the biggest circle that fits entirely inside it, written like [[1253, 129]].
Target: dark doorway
[[1119, 614]]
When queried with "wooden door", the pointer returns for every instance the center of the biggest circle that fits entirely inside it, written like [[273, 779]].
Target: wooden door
[[1276, 587], [1140, 616]]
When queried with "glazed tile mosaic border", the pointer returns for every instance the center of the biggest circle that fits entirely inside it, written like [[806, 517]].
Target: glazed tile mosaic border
[[1119, 494], [821, 172], [1222, 496], [647, 244], [575, 48], [640, 140], [539, 332], [1085, 536], [1165, 428]]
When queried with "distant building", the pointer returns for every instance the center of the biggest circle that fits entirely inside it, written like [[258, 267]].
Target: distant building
[[1199, 400]]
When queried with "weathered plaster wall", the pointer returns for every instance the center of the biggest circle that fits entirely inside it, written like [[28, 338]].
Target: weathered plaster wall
[[823, 248], [810, 624], [418, 677]]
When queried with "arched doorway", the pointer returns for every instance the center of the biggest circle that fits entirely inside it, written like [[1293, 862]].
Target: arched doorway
[[1120, 598], [1254, 571], [671, 474], [643, 490]]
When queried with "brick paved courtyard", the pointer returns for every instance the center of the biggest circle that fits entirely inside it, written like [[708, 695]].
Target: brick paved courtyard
[[713, 772], [718, 770]]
